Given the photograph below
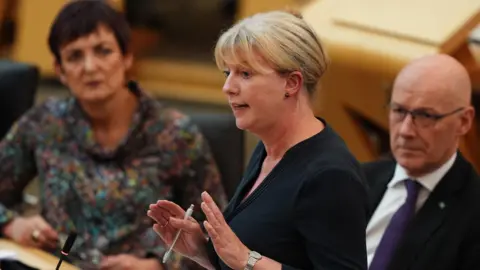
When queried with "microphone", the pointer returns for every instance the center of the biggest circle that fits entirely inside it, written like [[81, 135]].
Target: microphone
[[66, 248]]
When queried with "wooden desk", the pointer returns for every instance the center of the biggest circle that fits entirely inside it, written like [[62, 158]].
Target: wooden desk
[[34, 257]]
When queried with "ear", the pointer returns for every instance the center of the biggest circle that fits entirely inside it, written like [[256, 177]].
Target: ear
[[466, 120], [128, 60], [294, 83], [60, 72]]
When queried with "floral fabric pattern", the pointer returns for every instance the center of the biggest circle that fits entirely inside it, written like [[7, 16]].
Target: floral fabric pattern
[[101, 194]]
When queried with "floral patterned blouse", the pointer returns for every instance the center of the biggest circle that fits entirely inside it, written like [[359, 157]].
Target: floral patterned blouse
[[104, 195]]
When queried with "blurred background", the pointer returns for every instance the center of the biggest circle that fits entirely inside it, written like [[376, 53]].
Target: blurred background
[[368, 42]]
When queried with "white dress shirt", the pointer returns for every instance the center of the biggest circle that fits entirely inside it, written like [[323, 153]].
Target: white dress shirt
[[395, 197]]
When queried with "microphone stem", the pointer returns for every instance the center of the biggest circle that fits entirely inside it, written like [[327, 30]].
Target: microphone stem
[[60, 262]]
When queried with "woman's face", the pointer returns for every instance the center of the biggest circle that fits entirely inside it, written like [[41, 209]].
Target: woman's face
[[257, 99], [93, 66]]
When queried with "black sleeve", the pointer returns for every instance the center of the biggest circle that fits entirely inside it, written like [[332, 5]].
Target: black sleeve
[[330, 214], [470, 248]]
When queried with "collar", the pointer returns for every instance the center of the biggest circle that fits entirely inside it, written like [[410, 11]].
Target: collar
[[428, 181], [134, 140]]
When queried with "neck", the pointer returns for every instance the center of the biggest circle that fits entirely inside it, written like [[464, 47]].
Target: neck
[[292, 129], [113, 113]]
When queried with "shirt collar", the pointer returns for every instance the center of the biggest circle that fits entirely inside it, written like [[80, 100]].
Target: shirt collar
[[428, 181]]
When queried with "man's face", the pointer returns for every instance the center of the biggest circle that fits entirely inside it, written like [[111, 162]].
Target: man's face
[[425, 140]]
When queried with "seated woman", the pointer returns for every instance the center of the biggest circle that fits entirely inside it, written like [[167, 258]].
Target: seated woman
[[302, 203], [103, 154]]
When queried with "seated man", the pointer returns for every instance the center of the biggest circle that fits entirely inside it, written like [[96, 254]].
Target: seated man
[[426, 201]]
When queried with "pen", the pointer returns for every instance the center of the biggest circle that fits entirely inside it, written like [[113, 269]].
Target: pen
[[187, 215]]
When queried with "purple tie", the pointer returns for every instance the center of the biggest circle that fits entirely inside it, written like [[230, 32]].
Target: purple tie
[[396, 227]]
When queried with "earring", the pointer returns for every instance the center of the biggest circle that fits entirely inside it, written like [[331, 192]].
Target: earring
[[287, 95]]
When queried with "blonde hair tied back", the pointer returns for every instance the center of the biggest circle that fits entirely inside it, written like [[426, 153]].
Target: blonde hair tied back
[[282, 40]]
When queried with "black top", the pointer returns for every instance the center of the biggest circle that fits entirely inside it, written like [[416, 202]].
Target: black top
[[310, 212]]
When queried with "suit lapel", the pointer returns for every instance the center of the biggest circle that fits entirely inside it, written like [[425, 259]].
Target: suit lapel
[[433, 213], [378, 181]]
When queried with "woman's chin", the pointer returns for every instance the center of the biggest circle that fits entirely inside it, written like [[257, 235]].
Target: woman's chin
[[94, 97], [242, 123]]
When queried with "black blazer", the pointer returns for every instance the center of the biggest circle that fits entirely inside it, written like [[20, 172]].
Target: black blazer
[[438, 238], [310, 212]]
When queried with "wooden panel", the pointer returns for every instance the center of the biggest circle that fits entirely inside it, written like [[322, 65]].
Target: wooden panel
[[469, 56], [361, 49], [250, 7], [441, 23], [3, 9], [363, 66], [118, 4], [345, 90], [475, 68], [187, 81], [32, 32]]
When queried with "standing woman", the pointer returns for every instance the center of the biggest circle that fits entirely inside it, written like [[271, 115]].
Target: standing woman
[[302, 203]]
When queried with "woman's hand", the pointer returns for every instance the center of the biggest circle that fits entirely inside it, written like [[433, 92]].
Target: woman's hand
[[169, 219], [32, 231], [227, 245]]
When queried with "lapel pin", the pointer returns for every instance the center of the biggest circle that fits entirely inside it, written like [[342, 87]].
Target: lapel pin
[[441, 205]]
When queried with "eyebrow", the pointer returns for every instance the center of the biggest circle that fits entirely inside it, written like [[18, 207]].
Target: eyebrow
[[100, 43], [416, 109]]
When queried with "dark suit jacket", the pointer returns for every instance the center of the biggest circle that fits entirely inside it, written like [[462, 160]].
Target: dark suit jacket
[[438, 238]]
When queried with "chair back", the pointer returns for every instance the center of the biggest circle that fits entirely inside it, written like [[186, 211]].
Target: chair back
[[18, 86], [227, 144]]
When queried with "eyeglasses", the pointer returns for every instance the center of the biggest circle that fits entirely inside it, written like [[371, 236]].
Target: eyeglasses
[[420, 117]]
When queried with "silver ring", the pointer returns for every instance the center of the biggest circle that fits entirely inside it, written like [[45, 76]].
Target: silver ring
[[35, 235]]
